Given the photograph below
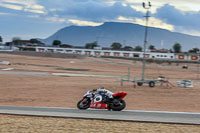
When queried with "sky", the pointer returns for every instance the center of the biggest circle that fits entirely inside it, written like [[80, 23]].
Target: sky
[[41, 18]]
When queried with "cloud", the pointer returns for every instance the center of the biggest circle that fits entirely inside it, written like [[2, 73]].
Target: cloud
[[14, 7], [180, 19], [188, 31], [5, 14], [98, 12], [84, 23], [185, 5], [56, 19], [25, 5], [33, 16], [27, 24], [182, 5], [182, 16], [34, 11], [153, 22]]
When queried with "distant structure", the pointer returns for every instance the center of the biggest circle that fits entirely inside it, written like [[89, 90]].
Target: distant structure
[[23, 43], [157, 54]]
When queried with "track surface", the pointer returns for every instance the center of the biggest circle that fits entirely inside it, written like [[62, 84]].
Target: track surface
[[137, 116]]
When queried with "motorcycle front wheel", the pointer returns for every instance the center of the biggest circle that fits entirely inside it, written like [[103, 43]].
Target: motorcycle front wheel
[[83, 104], [119, 106]]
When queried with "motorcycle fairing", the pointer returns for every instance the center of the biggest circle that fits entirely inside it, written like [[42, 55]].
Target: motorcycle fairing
[[96, 103], [121, 95]]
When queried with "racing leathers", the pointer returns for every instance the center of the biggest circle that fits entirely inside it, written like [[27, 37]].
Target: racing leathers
[[104, 92]]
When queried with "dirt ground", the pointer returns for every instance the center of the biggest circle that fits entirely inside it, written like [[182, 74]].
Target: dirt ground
[[65, 91]]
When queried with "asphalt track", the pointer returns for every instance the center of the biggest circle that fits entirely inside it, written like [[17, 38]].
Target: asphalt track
[[126, 115]]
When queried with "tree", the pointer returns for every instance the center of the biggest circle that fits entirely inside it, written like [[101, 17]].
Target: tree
[[1, 40], [177, 48], [116, 45], [7, 43], [91, 45], [129, 48], [194, 50], [16, 40], [152, 47], [34, 41], [56, 43], [138, 48]]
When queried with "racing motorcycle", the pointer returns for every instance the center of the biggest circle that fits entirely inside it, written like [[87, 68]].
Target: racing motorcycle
[[99, 101]]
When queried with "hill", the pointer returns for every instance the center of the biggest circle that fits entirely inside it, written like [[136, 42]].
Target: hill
[[126, 33]]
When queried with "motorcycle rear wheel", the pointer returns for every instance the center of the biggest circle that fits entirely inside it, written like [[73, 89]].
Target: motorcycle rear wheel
[[83, 104], [118, 107]]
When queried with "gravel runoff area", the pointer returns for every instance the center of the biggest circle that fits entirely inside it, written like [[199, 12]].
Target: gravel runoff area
[[28, 124], [28, 82]]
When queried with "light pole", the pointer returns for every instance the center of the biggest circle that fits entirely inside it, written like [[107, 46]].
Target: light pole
[[147, 7]]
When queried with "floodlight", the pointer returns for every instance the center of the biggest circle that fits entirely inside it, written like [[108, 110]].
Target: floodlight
[[149, 4], [143, 4]]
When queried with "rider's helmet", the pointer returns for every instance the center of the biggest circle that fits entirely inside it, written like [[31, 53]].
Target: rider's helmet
[[102, 89]]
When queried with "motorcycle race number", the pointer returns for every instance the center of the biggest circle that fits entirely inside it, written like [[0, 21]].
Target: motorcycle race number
[[98, 98], [96, 103]]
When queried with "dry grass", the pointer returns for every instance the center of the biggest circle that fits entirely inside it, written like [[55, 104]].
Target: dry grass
[[25, 124]]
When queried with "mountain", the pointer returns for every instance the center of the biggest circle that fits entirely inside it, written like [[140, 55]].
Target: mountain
[[126, 33]]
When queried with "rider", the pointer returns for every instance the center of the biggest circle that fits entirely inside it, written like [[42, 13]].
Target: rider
[[105, 93]]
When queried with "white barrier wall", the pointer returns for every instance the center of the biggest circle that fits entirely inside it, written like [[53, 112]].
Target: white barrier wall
[[115, 53]]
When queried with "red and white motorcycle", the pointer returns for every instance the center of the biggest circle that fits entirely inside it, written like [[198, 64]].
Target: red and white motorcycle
[[97, 101]]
